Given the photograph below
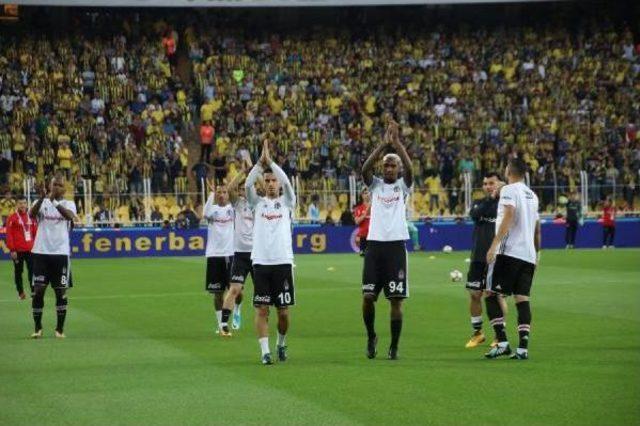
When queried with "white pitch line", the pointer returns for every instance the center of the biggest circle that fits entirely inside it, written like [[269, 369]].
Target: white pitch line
[[118, 296]]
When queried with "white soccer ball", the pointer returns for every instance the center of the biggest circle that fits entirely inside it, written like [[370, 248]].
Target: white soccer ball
[[455, 276], [447, 249]]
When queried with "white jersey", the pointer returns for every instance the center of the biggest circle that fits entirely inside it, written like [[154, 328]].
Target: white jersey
[[219, 229], [519, 242], [53, 229], [243, 240], [388, 211], [272, 240]]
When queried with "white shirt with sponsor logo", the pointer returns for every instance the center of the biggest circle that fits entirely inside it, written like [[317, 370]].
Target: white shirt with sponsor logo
[[388, 211], [272, 240], [243, 241], [519, 242], [219, 228], [53, 229]]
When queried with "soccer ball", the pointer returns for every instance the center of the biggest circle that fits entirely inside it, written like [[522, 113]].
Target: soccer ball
[[447, 249], [455, 275]]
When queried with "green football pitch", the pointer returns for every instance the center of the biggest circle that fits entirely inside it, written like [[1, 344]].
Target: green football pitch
[[140, 349]]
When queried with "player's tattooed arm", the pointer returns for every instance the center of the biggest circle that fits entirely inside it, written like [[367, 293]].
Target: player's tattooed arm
[[394, 138], [367, 167], [65, 212], [501, 232], [537, 237], [35, 209]]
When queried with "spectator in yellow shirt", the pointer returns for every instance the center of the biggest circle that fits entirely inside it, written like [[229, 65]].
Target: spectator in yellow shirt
[[206, 112], [19, 142], [433, 187], [64, 159]]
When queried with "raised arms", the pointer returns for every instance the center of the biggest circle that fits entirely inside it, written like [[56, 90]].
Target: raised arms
[[394, 139], [391, 137], [367, 167]]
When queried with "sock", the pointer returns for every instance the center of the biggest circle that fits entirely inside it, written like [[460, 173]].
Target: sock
[[496, 318], [37, 304], [369, 316], [524, 323], [219, 318], [282, 339], [224, 317], [19, 284], [264, 345], [396, 328], [237, 309], [61, 310], [476, 323]]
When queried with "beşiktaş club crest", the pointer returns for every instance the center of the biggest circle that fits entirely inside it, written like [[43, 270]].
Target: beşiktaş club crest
[[396, 188], [277, 205], [401, 274], [286, 285]]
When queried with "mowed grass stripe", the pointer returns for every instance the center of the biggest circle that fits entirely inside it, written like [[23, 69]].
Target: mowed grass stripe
[[161, 353]]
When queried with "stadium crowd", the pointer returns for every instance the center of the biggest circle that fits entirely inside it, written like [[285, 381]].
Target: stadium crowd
[[115, 107], [104, 107]]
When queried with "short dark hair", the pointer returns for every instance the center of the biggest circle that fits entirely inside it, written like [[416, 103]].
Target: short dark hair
[[21, 197], [492, 174], [517, 167], [267, 170]]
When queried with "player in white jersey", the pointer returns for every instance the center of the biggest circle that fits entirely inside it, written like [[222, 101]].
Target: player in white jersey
[[272, 252], [51, 251], [218, 212], [242, 243], [512, 258], [385, 260]]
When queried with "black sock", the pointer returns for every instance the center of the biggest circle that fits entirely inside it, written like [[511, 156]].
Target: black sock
[[495, 315], [524, 323], [61, 310], [226, 313], [369, 316], [396, 329], [37, 304], [17, 271]]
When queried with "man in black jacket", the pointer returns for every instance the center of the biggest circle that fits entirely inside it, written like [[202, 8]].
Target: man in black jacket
[[483, 213], [574, 214]]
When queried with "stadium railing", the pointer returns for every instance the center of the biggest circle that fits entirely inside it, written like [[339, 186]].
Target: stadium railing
[[323, 205]]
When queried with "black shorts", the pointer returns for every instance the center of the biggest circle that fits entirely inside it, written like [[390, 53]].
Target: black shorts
[[476, 275], [273, 285], [53, 269], [508, 275], [241, 267], [385, 268], [218, 273]]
